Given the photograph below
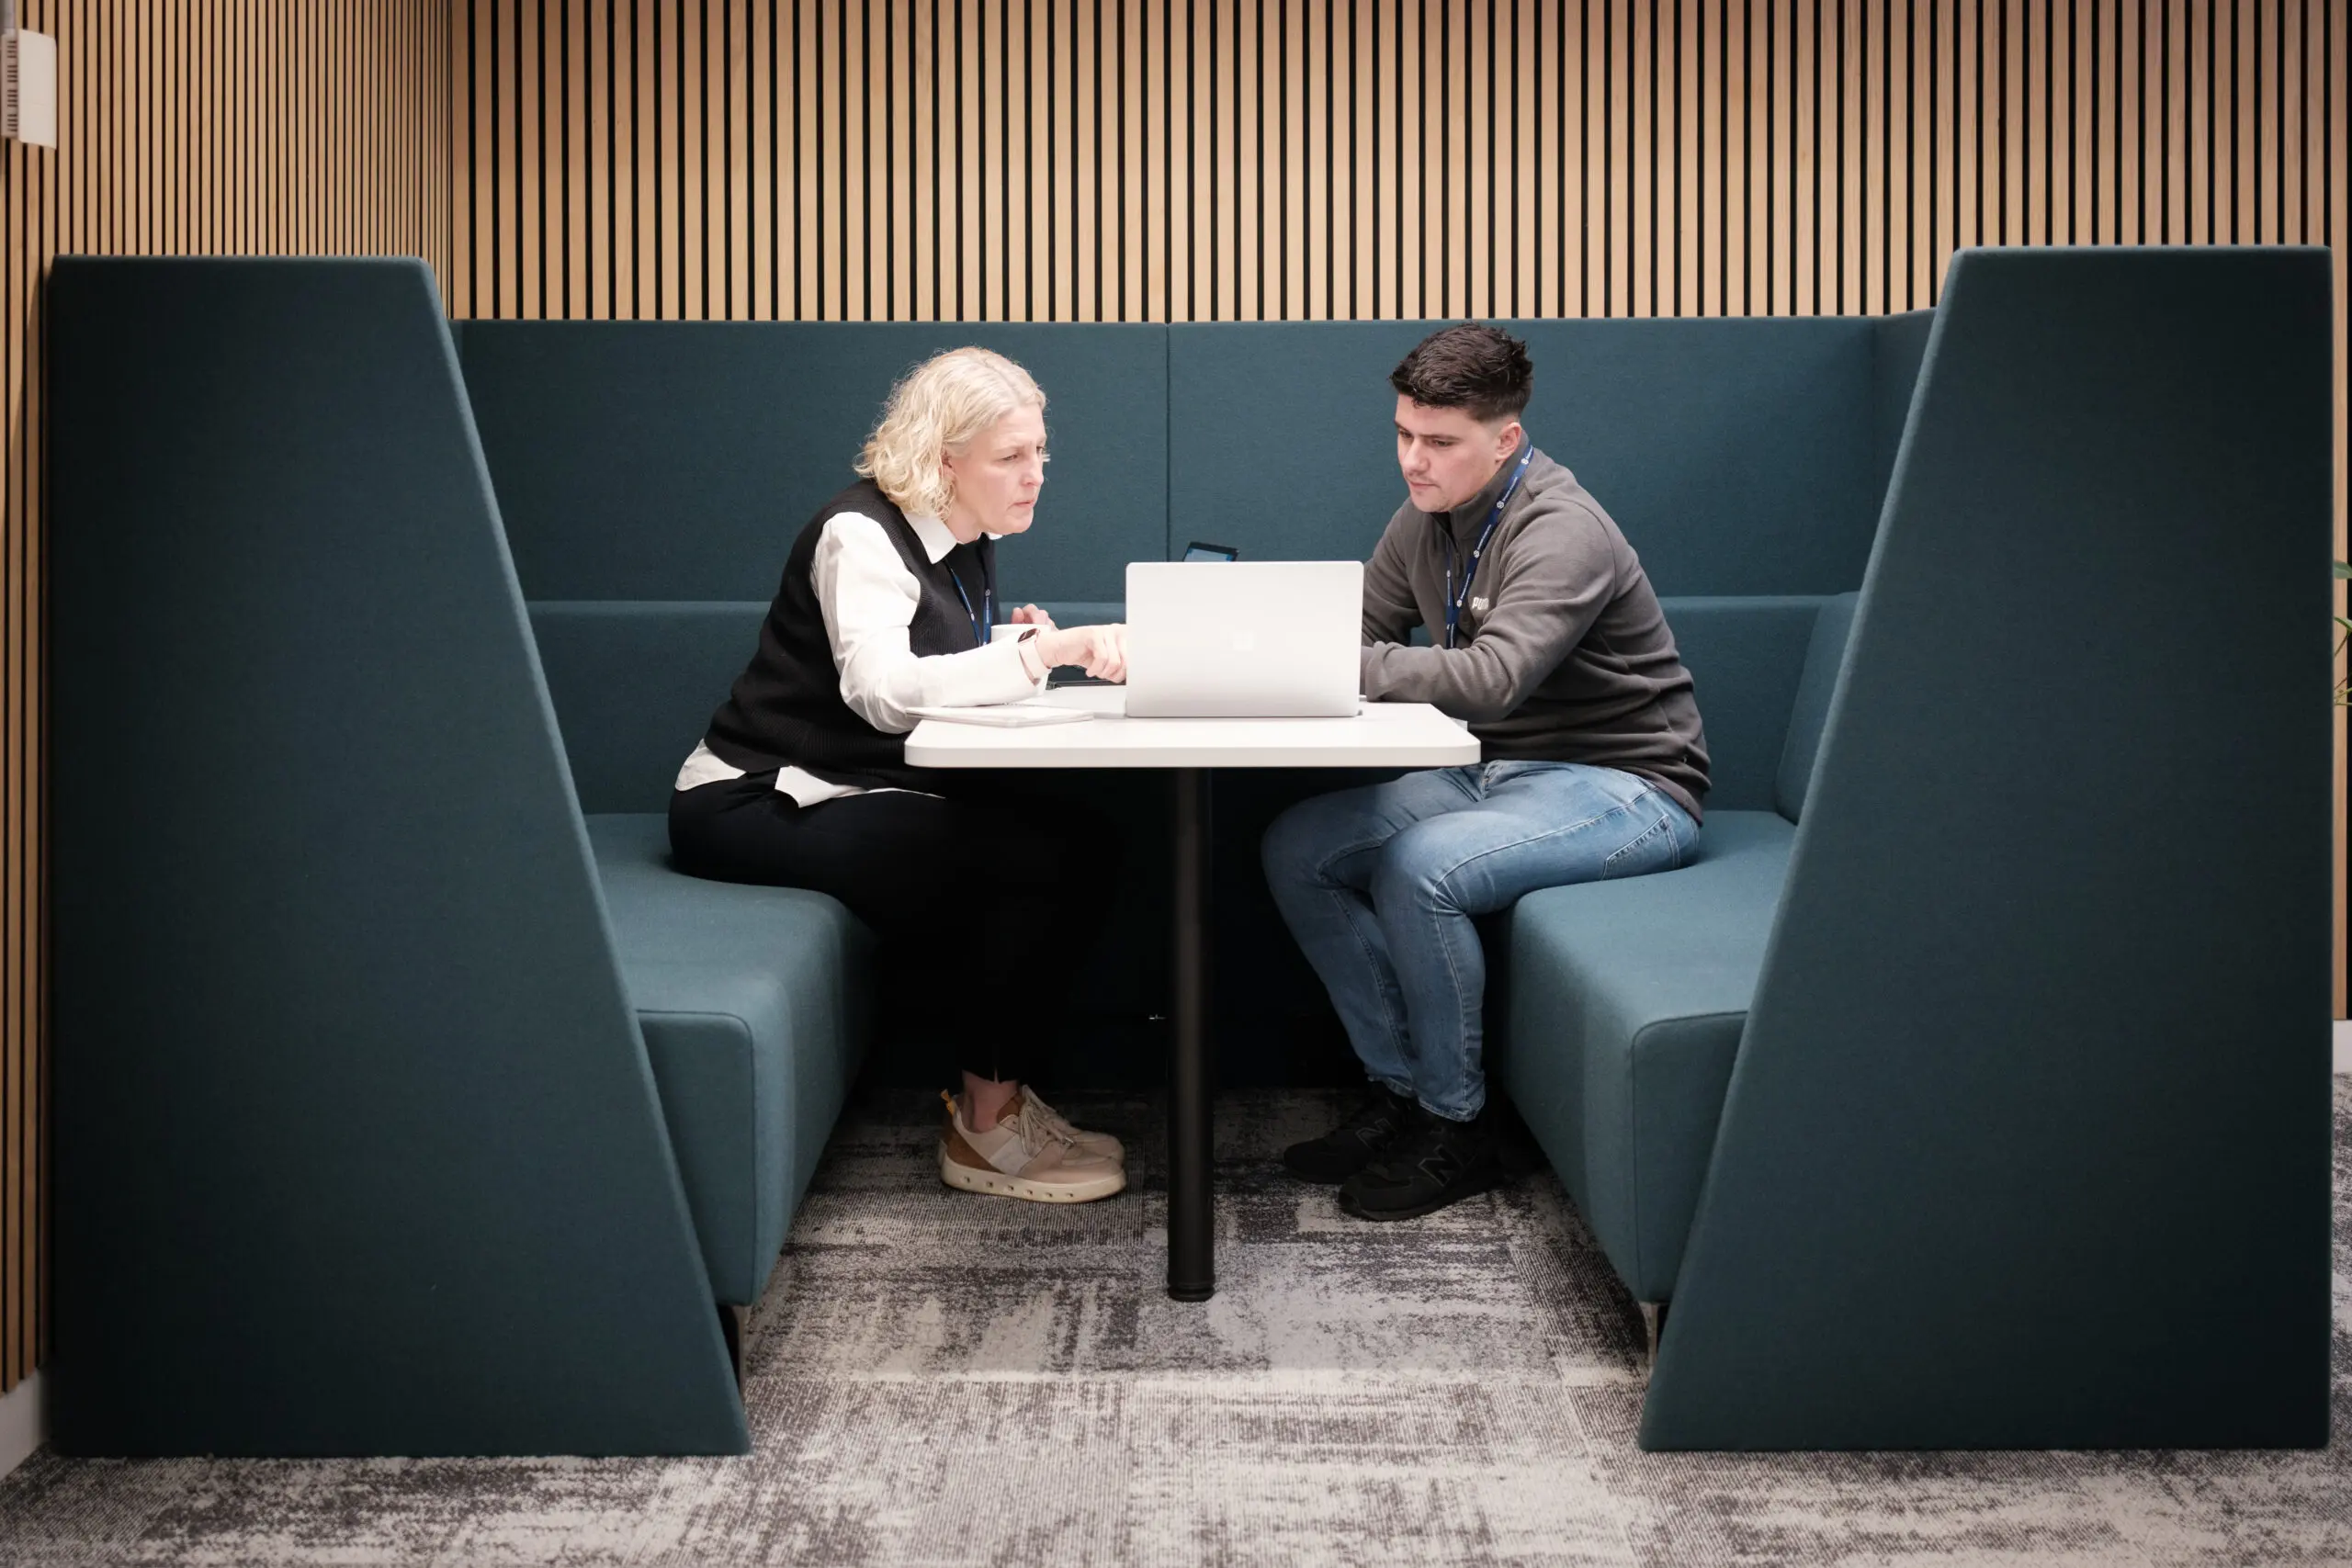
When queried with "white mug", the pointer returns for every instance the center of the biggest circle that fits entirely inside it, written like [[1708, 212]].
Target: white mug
[[1005, 629]]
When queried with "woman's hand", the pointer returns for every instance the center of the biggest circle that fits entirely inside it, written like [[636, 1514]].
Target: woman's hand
[[1101, 651], [1030, 616]]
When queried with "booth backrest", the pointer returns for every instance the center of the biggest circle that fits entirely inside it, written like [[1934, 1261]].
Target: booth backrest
[[634, 682], [1810, 713], [1737, 455], [653, 476], [1901, 344], [1744, 658], [677, 460]]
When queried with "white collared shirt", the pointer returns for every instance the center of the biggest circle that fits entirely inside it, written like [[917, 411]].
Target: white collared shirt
[[868, 598]]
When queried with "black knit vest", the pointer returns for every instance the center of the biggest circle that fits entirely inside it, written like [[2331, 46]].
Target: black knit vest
[[786, 708]]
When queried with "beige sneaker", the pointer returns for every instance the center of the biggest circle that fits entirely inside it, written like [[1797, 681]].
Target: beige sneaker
[[1102, 1144], [1022, 1157]]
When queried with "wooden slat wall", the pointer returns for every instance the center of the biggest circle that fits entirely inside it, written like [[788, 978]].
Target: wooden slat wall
[[1015, 159], [185, 128]]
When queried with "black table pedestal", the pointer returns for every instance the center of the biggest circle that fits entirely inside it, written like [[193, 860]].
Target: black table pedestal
[[1191, 1213]]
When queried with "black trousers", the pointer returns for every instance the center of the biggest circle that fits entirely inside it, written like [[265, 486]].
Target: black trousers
[[985, 897]]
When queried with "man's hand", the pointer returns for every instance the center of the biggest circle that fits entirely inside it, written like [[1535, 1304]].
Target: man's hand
[[1030, 616], [1101, 651]]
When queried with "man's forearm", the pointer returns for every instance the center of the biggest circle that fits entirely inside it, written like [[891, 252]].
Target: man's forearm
[[1472, 683]]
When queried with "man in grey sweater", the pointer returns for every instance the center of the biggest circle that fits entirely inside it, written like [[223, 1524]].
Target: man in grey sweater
[[1544, 636]]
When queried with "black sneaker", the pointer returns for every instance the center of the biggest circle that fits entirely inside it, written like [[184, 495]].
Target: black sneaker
[[1355, 1142], [1437, 1162]]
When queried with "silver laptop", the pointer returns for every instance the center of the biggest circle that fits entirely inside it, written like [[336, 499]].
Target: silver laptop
[[1244, 639]]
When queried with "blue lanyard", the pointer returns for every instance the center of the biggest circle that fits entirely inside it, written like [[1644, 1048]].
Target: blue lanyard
[[986, 618], [1454, 601]]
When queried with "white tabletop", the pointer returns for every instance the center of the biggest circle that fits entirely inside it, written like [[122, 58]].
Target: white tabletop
[[1386, 734]]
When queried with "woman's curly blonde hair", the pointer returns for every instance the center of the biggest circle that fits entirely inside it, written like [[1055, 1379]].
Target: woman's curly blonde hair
[[933, 411]]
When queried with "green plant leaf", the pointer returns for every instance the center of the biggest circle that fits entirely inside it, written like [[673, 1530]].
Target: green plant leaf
[[2343, 569]]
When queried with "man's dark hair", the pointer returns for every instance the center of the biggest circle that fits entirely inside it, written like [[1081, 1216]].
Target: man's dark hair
[[1472, 367]]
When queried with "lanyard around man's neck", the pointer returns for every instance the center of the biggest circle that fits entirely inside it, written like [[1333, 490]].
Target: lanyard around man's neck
[[1454, 601]]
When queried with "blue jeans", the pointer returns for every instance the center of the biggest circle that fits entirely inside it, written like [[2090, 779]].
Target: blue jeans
[[1379, 885]]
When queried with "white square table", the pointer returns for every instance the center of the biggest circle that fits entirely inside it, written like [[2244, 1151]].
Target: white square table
[[1385, 735]]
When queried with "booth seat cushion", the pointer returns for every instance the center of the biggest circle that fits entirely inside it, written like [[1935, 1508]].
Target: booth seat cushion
[[753, 1002], [1625, 1008]]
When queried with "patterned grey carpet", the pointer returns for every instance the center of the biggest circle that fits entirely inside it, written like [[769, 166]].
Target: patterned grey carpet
[[939, 1378]]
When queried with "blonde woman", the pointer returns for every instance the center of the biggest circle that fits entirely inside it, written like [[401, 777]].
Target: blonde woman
[[886, 604]]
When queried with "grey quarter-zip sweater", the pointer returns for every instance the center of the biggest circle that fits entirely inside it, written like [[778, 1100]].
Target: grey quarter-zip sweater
[[1563, 653]]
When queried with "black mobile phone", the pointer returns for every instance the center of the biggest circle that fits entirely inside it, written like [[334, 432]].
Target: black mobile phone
[[1197, 550]]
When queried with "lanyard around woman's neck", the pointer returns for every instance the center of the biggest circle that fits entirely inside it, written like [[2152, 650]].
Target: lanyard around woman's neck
[[1454, 601], [982, 622]]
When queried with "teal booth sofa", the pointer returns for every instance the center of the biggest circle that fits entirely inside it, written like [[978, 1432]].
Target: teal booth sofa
[[442, 1113]]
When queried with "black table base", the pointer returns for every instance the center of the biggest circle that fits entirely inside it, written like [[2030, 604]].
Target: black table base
[[1192, 1212]]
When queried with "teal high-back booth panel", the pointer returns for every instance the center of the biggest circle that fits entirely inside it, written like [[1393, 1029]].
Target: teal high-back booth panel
[[2026, 1144], [1735, 455], [357, 1147], [679, 461]]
